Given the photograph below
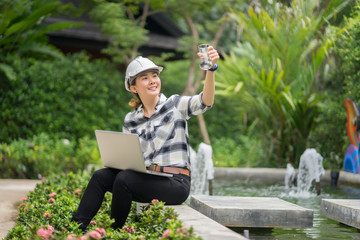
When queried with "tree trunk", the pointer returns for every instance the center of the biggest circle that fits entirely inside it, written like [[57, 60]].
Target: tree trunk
[[203, 130]]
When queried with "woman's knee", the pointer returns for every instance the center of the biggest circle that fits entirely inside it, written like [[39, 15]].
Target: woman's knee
[[99, 174], [126, 179], [124, 176], [104, 176]]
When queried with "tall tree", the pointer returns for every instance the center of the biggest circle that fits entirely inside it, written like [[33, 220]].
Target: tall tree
[[124, 22]]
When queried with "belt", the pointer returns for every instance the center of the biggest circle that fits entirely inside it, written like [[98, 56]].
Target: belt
[[173, 170]]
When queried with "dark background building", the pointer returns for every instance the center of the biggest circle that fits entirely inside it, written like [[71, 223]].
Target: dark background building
[[163, 36]]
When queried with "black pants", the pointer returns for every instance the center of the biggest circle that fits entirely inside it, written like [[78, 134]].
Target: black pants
[[127, 186]]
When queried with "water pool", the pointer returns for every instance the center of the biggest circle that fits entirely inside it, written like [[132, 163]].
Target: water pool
[[323, 228]]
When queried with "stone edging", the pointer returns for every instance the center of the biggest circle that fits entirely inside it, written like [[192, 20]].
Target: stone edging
[[276, 175]]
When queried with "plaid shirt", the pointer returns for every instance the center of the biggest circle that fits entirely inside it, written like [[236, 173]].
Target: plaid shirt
[[164, 137]]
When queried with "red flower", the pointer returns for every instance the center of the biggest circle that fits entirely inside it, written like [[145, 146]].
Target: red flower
[[77, 191]]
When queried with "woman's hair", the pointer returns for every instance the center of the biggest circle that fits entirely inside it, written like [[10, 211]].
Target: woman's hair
[[135, 101]]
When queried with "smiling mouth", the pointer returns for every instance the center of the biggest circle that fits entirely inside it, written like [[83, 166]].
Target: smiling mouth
[[153, 88]]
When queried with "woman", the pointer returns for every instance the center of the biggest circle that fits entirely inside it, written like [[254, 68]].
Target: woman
[[161, 124]]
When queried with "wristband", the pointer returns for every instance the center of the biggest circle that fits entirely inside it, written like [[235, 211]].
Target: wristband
[[213, 68]]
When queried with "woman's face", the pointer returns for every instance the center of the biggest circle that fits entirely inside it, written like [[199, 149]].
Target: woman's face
[[147, 84]]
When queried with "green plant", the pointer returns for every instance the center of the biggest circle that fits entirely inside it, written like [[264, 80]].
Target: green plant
[[246, 152], [333, 161], [339, 84], [42, 155], [47, 211], [273, 72], [22, 30], [68, 98]]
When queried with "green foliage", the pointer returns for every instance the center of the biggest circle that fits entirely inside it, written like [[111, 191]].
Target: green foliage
[[22, 30], [42, 155], [68, 98], [125, 33], [245, 152], [52, 204], [342, 83], [272, 74]]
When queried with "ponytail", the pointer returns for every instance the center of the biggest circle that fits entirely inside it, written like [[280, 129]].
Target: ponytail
[[135, 102]]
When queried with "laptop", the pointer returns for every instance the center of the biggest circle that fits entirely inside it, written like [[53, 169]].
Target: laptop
[[122, 151]]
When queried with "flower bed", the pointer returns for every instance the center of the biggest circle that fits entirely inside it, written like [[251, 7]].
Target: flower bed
[[47, 211]]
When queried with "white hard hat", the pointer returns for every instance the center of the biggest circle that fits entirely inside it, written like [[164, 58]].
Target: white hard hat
[[137, 66]]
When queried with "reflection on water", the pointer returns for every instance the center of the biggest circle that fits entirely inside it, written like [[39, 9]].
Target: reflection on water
[[323, 228]]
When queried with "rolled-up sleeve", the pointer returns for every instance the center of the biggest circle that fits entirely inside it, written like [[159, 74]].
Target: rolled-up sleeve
[[191, 105]]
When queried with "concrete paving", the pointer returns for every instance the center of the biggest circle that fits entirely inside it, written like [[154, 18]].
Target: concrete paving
[[253, 212], [346, 211], [11, 193]]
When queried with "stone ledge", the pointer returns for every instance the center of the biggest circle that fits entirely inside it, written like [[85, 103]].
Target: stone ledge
[[346, 211], [253, 212], [277, 175], [203, 226]]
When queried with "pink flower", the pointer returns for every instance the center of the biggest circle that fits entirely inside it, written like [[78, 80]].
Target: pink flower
[[77, 191], [46, 215], [50, 228], [101, 231], [24, 199], [52, 194], [85, 237], [168, 219], [26, 208], [42, 232], [129, 229], [71, 237], [166, 233], [45, 233], [93, 222], [51, 200], [141, 237], [154, 201], [95, 235]]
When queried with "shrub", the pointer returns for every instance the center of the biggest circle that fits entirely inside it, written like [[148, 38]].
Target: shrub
[[245, 152], [47, 212], [68, 98], [42, 155], [342, 83]]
